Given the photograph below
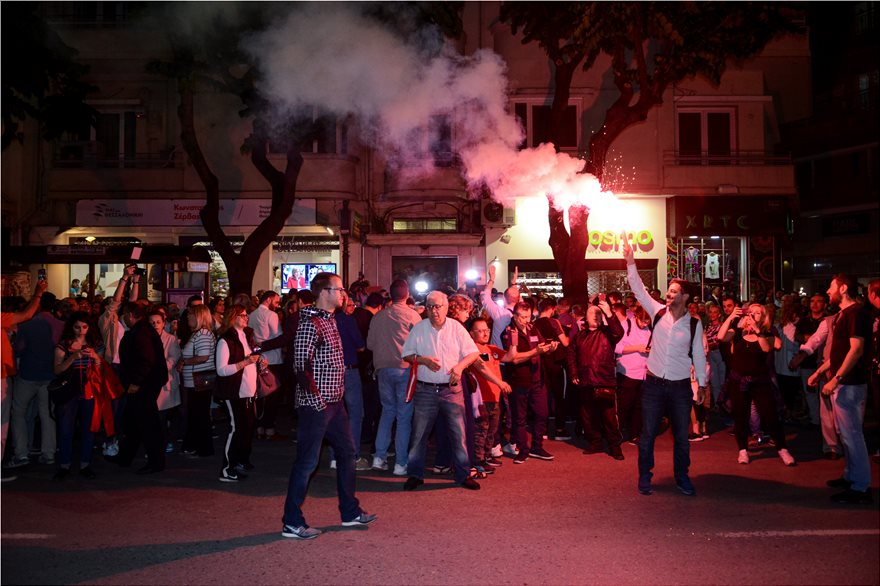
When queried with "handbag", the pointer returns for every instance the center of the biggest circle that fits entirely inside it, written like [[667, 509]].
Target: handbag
[[60, 388], [267, 383], [204, 380], [607, 393]]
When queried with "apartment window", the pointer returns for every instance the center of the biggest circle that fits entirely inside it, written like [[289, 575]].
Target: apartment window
[[325, 134], [421, 225], [706, 136], [869, 86], [535, 120], [111, 142], [432, 141]]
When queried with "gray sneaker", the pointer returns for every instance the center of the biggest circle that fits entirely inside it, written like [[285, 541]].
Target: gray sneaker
[[304, 532], [364, 518], [362, 464]]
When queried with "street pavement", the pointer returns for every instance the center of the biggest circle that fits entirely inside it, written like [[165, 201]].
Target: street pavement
[[575, 520]]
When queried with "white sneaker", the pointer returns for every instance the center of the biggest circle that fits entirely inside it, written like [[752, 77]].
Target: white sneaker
[[497, 452], [787, 458], [510, 449], [399, 470], [332, 464], [743, 457], [379, 464]]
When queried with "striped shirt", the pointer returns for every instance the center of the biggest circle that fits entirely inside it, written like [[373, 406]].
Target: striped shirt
[[201, 343], [318, 359]]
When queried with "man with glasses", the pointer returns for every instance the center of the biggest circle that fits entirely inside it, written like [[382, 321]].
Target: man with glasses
[[442, 349], [320, 372]]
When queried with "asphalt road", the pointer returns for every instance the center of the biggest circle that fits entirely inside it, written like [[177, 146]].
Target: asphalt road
[[576, 520]]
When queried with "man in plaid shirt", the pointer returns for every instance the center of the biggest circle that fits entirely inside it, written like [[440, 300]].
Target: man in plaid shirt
[[320, 371]]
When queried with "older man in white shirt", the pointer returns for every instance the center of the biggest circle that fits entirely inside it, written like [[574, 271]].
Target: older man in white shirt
[[443, 349], [667, 386]]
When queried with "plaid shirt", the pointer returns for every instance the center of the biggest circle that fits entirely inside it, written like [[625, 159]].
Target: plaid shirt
[[318, 360]]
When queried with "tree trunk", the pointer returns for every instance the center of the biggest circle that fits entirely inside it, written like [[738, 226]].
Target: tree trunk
[[240, 267]]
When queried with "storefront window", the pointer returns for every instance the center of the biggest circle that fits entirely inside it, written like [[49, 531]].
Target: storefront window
[[710, 261]]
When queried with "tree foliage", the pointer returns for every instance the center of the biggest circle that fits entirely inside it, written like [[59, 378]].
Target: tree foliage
[[41, 78], [651, 46]]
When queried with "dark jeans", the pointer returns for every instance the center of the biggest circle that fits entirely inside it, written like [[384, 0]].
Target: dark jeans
[[534, 396], [141, 423], [792, 393], [314, 426], [629, 405], [429, 402], [599, 418], [660, 396], [372, 412], [239, 440], [66, 415], [198, 436], [741, 394], [443, 457], [484, 436]]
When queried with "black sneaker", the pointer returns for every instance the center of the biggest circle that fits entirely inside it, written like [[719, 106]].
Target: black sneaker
[[413, 483], [853, 497], [304, 532], [520, 458], [839, 483], [492, 461], [470, 484], [541, 454], [230, 475], [562, 435], [364, 518]]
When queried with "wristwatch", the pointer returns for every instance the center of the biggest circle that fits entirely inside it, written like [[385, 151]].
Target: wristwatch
[[839, 379]]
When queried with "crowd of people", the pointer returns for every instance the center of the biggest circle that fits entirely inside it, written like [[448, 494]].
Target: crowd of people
[[493, 373]]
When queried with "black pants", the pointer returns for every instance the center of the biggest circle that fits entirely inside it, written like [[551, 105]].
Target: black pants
[[629, 405], [198, 436], [372, 412], [792, 393], [239, 440], [141, 422], [599, 418], [267, 408], [555, 375], [761, 392]]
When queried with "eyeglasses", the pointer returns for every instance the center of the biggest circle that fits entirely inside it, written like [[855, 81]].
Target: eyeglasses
[[244, 315], [433, 307], [334, 288]]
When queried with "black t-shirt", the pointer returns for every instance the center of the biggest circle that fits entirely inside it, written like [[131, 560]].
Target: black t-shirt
[[550, 329], [748, 359], [528, 372], [852, 322], [806, 327]]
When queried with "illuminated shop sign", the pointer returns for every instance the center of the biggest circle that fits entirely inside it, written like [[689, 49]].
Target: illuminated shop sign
[[608, 241]]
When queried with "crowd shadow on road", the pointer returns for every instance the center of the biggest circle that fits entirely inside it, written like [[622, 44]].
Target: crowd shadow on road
[[45, 565]]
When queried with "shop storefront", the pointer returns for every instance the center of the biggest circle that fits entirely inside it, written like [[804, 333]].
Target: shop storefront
[[525, 246], [308, 238], [726, 242]]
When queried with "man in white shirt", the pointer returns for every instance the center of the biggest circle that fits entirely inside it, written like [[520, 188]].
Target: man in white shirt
[[266, 325], [667, 388], [443, 349]]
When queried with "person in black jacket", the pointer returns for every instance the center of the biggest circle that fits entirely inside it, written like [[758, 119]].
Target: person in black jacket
[[592, 365], [143, 374]]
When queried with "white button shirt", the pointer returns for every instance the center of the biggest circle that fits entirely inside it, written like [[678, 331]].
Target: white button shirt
[[450, 344], [266, 326], [668, 358]]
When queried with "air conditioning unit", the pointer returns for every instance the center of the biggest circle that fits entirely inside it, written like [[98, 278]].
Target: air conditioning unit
[[495, 215]]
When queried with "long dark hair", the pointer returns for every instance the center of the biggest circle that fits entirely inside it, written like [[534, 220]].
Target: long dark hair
[[92, 336]]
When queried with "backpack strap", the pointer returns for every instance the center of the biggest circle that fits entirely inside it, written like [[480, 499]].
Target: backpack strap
[[658, 317]]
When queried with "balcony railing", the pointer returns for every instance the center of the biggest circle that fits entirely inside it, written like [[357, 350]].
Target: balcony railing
[[734, 158], [85, 155]]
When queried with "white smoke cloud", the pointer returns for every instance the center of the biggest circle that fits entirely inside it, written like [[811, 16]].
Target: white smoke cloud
[[334, 56]]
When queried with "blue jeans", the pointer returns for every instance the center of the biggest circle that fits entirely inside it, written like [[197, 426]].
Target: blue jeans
[[314, 426], [430, 401], [660, 396], [66, 415], [392, 394], [354, 403], [717, 372], [849, 414]]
